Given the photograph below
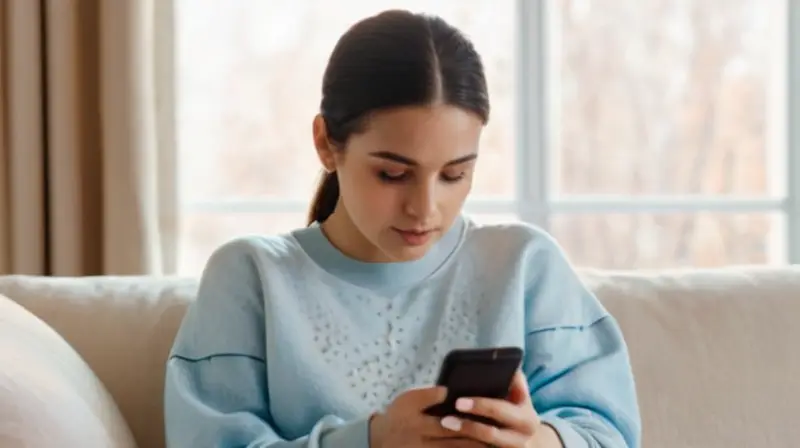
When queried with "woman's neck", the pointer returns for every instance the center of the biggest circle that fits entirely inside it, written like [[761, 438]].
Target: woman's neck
[[343, 234]]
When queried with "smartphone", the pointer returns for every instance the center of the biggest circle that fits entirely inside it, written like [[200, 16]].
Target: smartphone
[[482, 372]]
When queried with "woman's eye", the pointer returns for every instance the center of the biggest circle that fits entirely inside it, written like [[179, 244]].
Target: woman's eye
[[452, 178], [391, 177]]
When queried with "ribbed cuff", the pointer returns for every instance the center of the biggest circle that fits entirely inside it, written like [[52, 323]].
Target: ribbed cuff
[[570, 438], [354, 434]]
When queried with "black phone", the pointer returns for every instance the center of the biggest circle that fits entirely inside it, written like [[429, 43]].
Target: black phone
[[480, 372]]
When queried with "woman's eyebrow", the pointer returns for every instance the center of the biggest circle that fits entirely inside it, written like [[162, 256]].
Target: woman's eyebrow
[[394, 157]]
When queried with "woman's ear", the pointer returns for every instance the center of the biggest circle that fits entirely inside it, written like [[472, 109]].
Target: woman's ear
[[325, 149]]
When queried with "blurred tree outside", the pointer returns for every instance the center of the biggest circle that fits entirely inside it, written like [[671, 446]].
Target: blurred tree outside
[[667, 97]]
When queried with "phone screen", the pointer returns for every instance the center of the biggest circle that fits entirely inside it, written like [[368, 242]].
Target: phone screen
[[477, 378]]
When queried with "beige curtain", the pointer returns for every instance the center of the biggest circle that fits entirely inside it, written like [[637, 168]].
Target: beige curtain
[[87, 153]]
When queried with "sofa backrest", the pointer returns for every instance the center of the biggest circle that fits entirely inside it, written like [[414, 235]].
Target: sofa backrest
[[123, 327], [714, 351], [715, 354]]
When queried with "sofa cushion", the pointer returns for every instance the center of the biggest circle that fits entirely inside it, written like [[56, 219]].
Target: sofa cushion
[[123, 327], [48, 395]]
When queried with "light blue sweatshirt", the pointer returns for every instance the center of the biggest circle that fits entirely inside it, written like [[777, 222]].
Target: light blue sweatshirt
[[290, 343]]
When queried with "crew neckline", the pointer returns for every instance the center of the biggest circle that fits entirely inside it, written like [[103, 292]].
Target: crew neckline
[[383, 277]]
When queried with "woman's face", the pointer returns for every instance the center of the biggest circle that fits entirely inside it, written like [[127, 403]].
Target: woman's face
[[402, 181]]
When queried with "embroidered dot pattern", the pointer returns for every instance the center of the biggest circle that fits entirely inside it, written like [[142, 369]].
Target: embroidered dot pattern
[[380, 349]]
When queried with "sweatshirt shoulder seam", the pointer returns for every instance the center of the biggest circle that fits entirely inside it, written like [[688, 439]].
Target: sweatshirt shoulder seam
[[568, 327], [216, 355]]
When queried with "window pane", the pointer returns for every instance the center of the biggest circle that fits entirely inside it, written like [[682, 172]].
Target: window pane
[[651, 241], [201, 233], [670, 97], [249, 77]]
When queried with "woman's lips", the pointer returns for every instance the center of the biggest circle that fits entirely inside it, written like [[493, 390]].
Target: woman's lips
[[414, 237]]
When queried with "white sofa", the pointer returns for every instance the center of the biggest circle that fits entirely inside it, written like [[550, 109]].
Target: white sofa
[[715, 354]]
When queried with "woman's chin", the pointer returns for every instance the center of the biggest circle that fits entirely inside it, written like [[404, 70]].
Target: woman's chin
[[399, 250]]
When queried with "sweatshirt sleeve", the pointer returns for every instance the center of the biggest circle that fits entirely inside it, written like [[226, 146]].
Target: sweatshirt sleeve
[[216, 387], [577, 362]]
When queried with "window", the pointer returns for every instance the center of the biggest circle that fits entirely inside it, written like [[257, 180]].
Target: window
[[641, 133]]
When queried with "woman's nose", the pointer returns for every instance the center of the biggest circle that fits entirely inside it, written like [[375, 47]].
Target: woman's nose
[[421, 201]]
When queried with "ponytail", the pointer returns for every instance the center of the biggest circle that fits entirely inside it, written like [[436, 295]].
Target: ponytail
[[325, 198]]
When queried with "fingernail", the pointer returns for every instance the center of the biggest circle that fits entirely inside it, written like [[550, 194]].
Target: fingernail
[[451, 423], [464, 404]]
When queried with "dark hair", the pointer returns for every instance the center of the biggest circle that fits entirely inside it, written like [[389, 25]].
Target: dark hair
[[394, 59]]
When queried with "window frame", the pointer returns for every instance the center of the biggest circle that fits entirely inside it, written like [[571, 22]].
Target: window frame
[[792, 207], [535, 202]]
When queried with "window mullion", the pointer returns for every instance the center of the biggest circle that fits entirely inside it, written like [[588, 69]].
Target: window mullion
[[793, 131], [664, 204], [532, 167]]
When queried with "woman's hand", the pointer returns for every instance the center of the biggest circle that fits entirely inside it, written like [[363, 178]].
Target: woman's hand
[[404, 423], [518, 424]]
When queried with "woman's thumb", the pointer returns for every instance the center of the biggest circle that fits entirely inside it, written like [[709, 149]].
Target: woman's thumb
[[519, 392]]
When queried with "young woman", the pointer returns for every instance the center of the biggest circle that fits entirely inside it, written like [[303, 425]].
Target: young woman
[[332, 335]]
